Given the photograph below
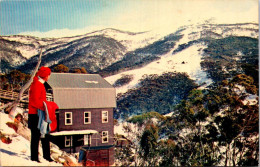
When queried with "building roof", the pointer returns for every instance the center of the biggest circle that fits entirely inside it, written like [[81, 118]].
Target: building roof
[[74, 80], [72, 91]]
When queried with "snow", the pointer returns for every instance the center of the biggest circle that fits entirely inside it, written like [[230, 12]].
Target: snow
[[94, 82], [3, 127], [132, 41], [27, 52], [169, 114], [74, 132], [119, 129], [16, 61], [237, 32], [251, 100], [168, 63], [17, 153], [132, 129]]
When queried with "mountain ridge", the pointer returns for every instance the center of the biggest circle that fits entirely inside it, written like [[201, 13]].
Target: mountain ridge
[[111, 51]]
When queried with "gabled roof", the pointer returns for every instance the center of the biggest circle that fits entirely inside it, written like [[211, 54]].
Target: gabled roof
[[72, 90], [74, 80]]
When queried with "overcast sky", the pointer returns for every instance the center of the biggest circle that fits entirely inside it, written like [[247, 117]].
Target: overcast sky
[[72, 17]]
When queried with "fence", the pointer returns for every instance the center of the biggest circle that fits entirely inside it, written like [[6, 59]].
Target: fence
[[11, 96]]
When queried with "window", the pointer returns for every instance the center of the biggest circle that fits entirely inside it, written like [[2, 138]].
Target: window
[[87, 117], [104, 136], [87, 139], [68, 141], [68, 118], [104, 116]]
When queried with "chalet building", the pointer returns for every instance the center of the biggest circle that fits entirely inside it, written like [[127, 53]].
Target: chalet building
[[85, 116]]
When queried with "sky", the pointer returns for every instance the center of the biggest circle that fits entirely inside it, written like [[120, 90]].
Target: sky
[[55, 18]]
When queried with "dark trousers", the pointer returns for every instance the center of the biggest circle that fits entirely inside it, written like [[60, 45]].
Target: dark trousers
[[35, 138]]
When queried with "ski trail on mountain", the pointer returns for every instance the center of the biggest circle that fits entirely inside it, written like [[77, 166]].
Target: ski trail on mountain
[[188, 61]]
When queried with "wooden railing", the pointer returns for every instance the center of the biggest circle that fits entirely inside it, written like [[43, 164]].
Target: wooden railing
[[49, 97], [10, 95]]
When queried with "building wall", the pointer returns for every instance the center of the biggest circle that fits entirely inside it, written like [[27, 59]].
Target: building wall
[[77, 143], [96, 123], [100, 157]]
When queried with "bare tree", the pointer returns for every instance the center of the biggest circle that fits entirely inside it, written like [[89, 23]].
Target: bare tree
[[13, 105]]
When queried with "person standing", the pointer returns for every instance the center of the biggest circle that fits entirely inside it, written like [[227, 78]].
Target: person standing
[[37, 95]]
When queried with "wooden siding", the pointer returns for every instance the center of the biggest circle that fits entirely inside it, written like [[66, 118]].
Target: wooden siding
[[100, 157], [77, 143], [96, 123]]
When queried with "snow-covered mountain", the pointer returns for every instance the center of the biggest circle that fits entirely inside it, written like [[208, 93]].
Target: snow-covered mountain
[[105, 46], [109, 48], [114, 53], [130, 40], [206, 53], [188, 59]]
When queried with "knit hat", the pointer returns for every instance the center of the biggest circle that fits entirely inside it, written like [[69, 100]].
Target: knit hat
[[43, 72]]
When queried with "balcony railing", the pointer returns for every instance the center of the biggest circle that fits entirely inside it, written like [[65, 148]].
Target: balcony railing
[[49, 97]]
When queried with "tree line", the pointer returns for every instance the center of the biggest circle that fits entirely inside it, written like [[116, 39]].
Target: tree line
[[15, 79]]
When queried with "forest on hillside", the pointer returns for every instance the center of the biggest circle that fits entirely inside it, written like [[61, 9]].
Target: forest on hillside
[[212, 127], [216, 126], [155, 93], [222, 59], [228, 57]]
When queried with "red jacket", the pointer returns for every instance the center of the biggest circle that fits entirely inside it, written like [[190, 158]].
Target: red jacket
[[52, 107], [37, 94]]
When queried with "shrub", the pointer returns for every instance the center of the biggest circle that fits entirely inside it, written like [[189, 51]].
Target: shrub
[[125, 79]]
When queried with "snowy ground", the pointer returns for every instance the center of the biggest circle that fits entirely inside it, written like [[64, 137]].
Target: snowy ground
[[17, 153]]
